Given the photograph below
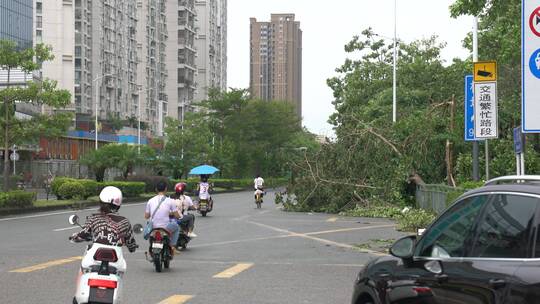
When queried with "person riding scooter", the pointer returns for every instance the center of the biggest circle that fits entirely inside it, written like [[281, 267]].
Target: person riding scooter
[[203, 191], [107, 227], [184, 204], [159, 209], [258, 184]]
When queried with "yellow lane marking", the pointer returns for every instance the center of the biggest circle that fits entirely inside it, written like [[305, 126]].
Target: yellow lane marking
[[176, 299], [231, 272], [332, 219], [47, 265]]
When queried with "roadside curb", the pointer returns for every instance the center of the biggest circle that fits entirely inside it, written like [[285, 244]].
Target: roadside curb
[[82, 205]]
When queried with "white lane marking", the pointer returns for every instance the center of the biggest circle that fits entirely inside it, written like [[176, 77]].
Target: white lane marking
[[58, 213], [241, 241], [67, 228], [324, 241]]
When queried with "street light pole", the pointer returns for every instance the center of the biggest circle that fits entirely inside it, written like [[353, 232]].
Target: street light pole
[[97, 103], [394, 86], [475, 172], [139, 120]]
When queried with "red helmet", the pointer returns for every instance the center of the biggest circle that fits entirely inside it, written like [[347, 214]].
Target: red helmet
[[180, 188]]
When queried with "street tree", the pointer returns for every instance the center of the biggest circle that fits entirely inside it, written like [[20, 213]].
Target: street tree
[[39, 93]]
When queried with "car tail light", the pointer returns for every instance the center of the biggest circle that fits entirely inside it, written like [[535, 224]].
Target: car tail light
[[158, 237], [422, 289], [105, 255], [102, 283]]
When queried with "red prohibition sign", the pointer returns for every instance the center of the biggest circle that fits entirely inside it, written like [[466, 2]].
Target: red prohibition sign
[[534, 21]]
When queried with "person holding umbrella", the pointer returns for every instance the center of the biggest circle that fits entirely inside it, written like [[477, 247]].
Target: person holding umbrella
[[204, 188]]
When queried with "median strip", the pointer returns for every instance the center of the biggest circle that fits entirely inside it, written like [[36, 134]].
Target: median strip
[[231, 272], [47, 265], [176, 299]]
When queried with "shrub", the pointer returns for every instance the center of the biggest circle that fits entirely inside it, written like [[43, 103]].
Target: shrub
[[17, 199], [375, 211], [150, 181], [91, 187], [57, 182], [129, 189], [71, 189], [414, 219]]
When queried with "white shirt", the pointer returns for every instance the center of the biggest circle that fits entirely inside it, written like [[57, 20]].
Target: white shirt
[[258, 182], [204, 191], [183, 203], [161, 218]]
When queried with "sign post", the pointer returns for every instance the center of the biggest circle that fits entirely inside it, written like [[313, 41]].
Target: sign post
[[530, 66], [519, 149], [485, 104]]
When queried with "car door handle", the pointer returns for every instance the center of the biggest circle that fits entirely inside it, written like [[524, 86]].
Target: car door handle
[[497, 283], [442, 278]]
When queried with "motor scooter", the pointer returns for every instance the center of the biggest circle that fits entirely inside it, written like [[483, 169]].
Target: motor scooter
[[100, 276], [159, 252]]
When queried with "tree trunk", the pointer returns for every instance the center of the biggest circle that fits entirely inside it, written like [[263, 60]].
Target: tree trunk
[[6, 139]]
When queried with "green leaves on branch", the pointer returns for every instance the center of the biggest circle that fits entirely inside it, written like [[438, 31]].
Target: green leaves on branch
[[120, 156]]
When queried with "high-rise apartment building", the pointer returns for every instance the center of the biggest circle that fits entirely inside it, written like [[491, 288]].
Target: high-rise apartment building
[[276, 60], [106, 58], [50, 19], [211, 44], [152, 71], [180, 56], [16, 22]]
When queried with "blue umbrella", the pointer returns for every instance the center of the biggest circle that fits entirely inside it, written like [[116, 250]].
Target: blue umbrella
[[204, 169]]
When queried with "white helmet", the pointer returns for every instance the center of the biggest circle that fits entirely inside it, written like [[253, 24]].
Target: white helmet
[[111, 195]]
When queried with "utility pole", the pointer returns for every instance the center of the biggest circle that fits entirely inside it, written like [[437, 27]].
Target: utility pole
[[394, 84], [476, 176]]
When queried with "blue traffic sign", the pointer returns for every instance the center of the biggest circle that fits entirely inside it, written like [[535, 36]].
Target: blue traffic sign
[[469, 109], [534, 63], [518, 141]]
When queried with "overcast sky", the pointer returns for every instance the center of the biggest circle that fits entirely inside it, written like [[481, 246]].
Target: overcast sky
[[327, 26]]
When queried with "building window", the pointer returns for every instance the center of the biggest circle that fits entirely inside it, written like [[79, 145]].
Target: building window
[[39, 21], [39, 35], [39, 8]]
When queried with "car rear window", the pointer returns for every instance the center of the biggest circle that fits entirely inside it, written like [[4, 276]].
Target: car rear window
[[504, 229]]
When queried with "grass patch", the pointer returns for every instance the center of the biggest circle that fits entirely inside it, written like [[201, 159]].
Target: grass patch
[[379, 245]]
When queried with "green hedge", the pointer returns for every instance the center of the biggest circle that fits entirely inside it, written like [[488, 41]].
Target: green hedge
[[71, 189], [17, 199], [150, 181], [84, 188], [129, 189]]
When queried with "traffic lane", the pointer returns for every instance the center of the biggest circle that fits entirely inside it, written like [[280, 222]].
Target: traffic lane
[[284, 283]]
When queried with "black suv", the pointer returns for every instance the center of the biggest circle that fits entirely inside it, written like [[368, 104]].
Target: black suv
[[485, 248]]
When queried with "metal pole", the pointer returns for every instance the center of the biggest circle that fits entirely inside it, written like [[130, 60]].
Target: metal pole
[[487, 158], [475, 151], [522, 161], [183, 110], [96, 114], [139, 125], [518, 164], [394, 85]]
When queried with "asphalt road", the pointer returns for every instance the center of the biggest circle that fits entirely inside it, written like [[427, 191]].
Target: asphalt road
[[242, 255]]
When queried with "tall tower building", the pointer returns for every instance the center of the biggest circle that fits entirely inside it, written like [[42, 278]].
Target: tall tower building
[[16, 22], [106, 58], [50, 28], [211, 45], [180, 56], [152, 71], [276, 60]]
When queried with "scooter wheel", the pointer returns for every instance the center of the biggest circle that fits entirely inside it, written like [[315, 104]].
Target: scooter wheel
[[157, 262], [203, 213]]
